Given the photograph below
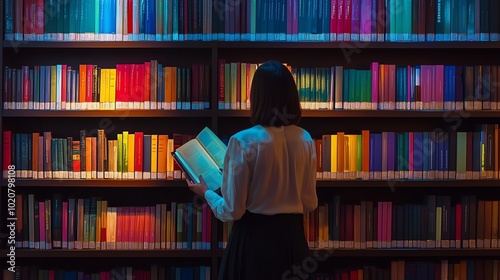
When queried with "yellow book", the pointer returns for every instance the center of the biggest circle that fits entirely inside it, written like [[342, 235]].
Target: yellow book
[[243, 83], [111, 98], [340, 154], [170, 159], [154, 156], [102, 89], [53, 87], [333, 157], [353, 156], [162, 156], [131, 156]]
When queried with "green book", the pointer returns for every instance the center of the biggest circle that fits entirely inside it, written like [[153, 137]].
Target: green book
[[125, 155]]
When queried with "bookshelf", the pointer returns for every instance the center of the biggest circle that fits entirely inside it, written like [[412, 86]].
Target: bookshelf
[[299, 55]]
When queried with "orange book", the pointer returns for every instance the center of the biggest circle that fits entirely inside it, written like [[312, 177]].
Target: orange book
[[167, 88], [83, 87], [94, 156], [88, 157], [173, 91], [162, 156]]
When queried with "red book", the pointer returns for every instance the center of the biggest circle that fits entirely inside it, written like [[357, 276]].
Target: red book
[[340, 20], [147, 84], [119, 86], [7, 151], [89, 86], [347, 19], [63, 86], [39, 19], [130, 16], [140, 84], [152, 220], [125, 86], [26, 86], [28, 20], [333, 19], [138, 154], [146, 230], [132, 86], [222, 65]]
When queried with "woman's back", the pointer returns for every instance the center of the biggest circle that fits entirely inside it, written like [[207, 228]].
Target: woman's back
[[281, 163]]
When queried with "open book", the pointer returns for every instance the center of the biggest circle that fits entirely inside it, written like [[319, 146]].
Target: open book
[[203, 155]]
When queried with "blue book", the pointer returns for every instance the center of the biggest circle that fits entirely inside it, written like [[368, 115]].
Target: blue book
[[189, 240], [147, 157], [391, 138], [418, 154]]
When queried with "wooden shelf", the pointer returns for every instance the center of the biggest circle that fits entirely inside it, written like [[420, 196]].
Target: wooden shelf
[[63, 253], [104, 45], [97, 183], [361, 45], [406, 253], [331, 253], [107, 113], [378, 114], [246, 113], [248, 44], [84, 183], [408, 183]]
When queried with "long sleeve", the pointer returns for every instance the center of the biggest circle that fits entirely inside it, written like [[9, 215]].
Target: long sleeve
[[234, 190], [309, 196]]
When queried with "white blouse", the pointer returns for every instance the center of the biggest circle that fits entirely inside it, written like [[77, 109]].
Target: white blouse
[[267, 170]]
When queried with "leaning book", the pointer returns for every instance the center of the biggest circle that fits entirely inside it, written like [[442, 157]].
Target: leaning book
[[203, 155]]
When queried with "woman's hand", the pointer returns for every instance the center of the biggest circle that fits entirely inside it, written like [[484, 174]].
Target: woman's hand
[[200, 188]]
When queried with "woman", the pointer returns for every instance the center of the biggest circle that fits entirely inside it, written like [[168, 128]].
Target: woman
[[269, 182]]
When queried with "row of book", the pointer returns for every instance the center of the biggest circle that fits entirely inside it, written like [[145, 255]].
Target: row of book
[[410, 155], [129, 156], [76, 223], [382, 87], [469, 269], [151, 86], [154, 272], [369, 155], [247, 20], [148, 86], [439, 221]]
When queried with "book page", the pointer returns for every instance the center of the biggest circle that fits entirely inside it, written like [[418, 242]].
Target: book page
[[198, 162], [213, 145]]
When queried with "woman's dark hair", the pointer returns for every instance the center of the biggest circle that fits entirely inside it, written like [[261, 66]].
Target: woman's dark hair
[[274, 99]]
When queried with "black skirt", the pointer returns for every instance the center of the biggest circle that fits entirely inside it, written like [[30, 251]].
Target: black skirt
[[262, 247]]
